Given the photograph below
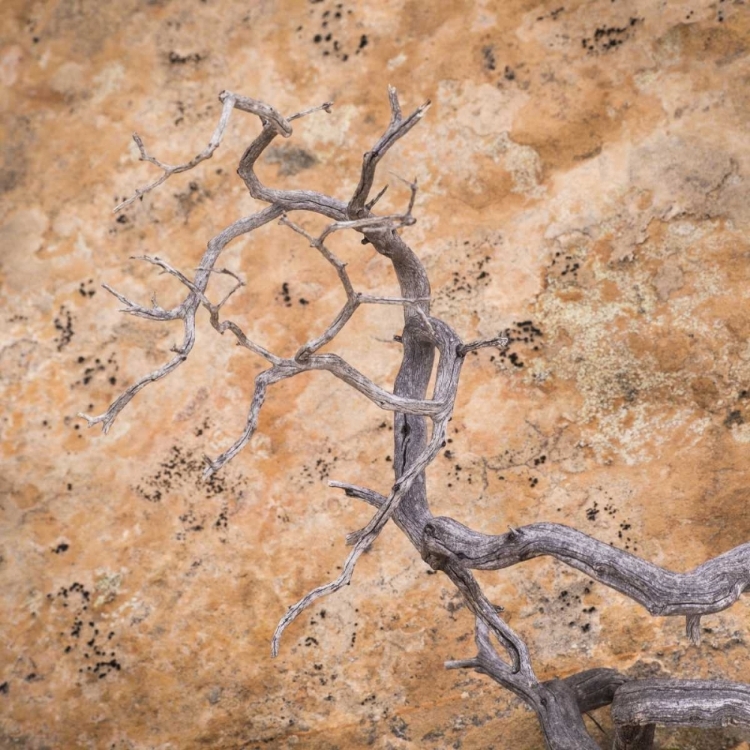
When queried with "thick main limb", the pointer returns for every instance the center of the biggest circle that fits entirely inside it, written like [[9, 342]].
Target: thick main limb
[[711, 587]]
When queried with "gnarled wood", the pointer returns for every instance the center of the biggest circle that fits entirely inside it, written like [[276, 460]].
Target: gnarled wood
[[420, 428], [670, 702], [711, 587]]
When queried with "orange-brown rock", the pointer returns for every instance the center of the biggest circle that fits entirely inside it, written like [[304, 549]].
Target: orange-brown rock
[[584, 166]]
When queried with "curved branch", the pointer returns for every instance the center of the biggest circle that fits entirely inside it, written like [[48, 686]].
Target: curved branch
[[290, 200], [229, 103], [555, 701], [397, 128], [186, 310], [711, 587], [344, 371]]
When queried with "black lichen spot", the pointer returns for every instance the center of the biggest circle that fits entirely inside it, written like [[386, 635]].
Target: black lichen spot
[[222, 522], [177, 59], [609, 37], [96, 367], [85, 289], [62, 547], [64, 326], [5, 688], [285, 295], [734, 418], [488, 57], [182, 473], [509, 74], [552, 15], [592, 512]]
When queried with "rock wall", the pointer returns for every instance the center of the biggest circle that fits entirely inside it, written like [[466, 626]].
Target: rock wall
[[583, 184]]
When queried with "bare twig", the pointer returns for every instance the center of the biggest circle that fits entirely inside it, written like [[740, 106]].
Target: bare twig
[[397, 129], [168, 171], [500, 342]]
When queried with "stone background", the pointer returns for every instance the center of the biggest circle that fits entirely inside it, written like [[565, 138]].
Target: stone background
[[583, 167]]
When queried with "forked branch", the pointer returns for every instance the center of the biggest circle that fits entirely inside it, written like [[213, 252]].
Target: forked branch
[[421, 424]]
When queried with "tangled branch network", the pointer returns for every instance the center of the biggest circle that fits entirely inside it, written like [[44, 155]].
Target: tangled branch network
[[420, 428]]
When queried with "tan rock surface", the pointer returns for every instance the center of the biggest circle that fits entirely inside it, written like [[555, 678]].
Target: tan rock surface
[[583, 167]]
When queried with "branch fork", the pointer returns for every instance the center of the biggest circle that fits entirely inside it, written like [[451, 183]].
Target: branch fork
[[420, 428]]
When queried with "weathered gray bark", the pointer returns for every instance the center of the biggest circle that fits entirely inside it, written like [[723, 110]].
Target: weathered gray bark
[[420, 426], [633, 737], [695, 703]]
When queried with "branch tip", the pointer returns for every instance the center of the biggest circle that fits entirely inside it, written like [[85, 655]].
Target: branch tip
[[91, 421], [211, 467]]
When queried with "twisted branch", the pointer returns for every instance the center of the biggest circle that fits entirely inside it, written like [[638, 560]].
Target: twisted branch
[[444, 543], [711, 587]]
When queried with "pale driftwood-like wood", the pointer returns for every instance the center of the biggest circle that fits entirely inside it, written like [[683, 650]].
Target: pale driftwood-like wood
[[420, 429]]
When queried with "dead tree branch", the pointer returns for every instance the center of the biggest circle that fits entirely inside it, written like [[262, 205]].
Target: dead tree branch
[[421, 423]]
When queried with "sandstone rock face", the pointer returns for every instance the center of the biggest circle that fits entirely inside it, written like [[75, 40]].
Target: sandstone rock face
[[583, 181]]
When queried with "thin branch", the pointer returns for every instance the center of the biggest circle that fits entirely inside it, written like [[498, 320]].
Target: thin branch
[[186, 311], [266, 113], [262, 381], [362, 539], [168, 171], [127, 396], [151, 313], [344, 371], [155, 260], [362, 493], [371, 204], [500, 342], [397, 129], [325, 107]]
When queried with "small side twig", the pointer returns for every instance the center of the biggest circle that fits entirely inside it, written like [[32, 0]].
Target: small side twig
[[228, 101]]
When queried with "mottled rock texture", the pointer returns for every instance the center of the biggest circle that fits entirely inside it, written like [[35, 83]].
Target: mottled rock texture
[[584, 184]]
